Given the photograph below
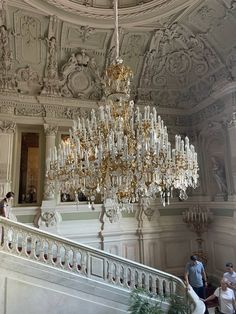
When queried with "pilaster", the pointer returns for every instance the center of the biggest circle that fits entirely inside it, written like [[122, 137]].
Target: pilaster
[[50, 133], [231, 128], [7, 131]]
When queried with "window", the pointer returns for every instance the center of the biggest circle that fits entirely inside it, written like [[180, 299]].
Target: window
[[29, 167]]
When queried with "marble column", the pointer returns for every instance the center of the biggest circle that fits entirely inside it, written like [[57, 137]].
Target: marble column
[[7, 132], [49, 186], [232, 147]]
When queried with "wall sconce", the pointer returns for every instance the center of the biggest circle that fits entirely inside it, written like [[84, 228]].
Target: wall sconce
[[198, 219]]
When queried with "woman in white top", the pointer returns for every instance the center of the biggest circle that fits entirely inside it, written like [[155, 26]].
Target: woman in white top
[[226, 298], [4, 212]]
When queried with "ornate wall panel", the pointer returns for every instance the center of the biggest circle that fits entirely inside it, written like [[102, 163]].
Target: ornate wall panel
[[29, 32], [84, 36]]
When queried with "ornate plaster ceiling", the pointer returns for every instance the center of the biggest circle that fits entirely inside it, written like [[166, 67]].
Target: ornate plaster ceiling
[[100, 13], [180, 51]]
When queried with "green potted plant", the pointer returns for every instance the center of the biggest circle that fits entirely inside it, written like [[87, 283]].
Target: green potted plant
[[144, 302], [178, 306]]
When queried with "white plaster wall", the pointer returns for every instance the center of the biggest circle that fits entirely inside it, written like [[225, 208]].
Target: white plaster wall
[[221, 245]]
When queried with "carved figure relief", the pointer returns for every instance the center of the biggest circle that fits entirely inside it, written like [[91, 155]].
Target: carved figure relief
[[85, 32], [218, 173], [28, 80], [7, 80], [51, 81], [81, 77], [49, 219], [3, 11]]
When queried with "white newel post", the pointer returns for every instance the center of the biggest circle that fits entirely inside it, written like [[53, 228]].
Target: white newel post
[[7, 131]]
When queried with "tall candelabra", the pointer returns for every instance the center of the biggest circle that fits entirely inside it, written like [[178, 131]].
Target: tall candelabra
[[198, 219]]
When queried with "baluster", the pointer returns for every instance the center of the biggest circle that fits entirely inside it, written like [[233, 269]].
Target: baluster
[[55, 257], [85, 264], [78, 261], [50, 254], [66, 266], [41, 252], [61, 256], [33, 247], [146, 281], [171, 287], [167, 288], [37, 248], [109, 277], [125, 282], [74, 268], [14, 242], [139, 279], [118, 270], [24, 244], [159, 289], [113, 272], [19, 246], [163, 286], [132, 278], [154, 286]]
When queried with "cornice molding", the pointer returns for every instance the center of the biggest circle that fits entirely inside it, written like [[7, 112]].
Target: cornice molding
[[61, 110]]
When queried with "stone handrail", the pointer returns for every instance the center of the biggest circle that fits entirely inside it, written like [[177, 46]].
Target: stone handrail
[[37, 245]]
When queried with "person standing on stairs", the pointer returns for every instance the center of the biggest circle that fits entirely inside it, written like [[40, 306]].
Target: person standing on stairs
[[226, 298], [230, 277], [4, 209], [195, 276]]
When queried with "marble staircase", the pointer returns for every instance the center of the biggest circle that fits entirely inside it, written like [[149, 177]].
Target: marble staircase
[[39, 270]]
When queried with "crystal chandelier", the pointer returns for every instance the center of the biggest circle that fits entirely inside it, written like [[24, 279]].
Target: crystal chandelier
[[122, 152]]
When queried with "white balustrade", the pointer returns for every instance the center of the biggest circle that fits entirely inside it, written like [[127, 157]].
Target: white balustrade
[[46, 248]]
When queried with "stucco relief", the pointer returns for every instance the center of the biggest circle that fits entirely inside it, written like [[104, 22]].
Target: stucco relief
[[208, 15], [28, 32], [214, 162], [7, 79], [85, 32], [219, 176], [3, 12], [51, 81], [7, 126], [133, 48], [32, 110], [230, 3], [49, 219], [83, 36], [208, 112], [81, 77], [231, 62], [7, 107], [59, 111], [50, 129], [28, 81], [177, 58], [49, 190]]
